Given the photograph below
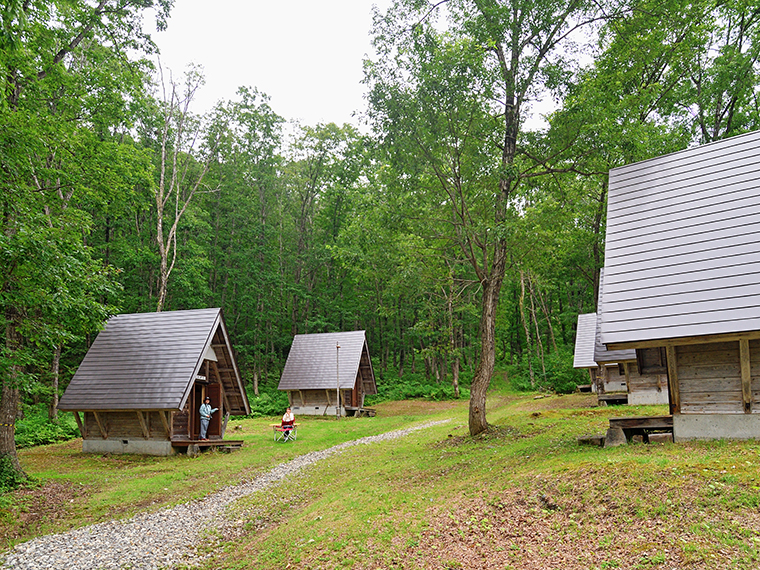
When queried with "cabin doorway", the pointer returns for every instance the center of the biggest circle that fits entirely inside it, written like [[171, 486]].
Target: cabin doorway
[[214, 392]]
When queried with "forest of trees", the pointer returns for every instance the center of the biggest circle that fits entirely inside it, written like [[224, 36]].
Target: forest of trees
[[458, 233]]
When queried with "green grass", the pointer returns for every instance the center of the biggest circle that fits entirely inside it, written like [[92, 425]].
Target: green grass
[[523, 495]]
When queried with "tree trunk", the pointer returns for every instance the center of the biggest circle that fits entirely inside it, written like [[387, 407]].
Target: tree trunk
[[527, 329], [482, 379], [10, 393], [55, 370]]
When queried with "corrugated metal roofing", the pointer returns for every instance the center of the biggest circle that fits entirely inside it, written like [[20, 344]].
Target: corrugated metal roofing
[[683, 244], [313, 361], [585, 336], [601, 354], [148, 361]]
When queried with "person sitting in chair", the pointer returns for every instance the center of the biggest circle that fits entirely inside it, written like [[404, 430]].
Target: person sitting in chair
[[287, 423], [206, 410]]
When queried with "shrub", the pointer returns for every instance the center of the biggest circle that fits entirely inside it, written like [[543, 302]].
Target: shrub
[[10, 479], [271, 402], [560, 377], [415, 386], [37, 429]]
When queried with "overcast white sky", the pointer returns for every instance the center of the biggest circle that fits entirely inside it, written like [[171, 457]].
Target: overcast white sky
[[306, 55]]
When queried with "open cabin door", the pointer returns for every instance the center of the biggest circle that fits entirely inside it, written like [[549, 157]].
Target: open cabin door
[[214, 391]]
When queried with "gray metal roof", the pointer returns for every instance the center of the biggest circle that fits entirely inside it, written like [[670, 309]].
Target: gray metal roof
[[601, 354], [149, 361], [683, 244], [313, 362], [585, 336]]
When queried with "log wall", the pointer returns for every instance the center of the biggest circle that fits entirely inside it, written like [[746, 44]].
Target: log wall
[[710, 378], [124, 425]]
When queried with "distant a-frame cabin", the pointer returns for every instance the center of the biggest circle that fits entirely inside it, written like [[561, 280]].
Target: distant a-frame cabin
[[682, 274], [606, 380], [140, 386], [322, 366]]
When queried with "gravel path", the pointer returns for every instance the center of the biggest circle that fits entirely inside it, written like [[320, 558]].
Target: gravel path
[[165, 538]]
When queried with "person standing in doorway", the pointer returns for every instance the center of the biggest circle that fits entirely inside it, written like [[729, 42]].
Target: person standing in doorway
[[206, 410]]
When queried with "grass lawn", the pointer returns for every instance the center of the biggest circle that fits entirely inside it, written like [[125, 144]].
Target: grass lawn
[[524, 495]]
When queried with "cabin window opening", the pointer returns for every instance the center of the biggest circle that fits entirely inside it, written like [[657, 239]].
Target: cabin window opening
[[125, 441]]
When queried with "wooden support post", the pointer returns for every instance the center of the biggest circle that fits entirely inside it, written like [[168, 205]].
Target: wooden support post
[[329, 401], [101, 426], [224, 425], [165, 421], [143, 424], [80, 425], [627, 372], [303, 402], [675, 395], [746, 375]]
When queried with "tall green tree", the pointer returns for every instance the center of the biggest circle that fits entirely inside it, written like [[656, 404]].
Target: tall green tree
[[57, 149], [456, 100]]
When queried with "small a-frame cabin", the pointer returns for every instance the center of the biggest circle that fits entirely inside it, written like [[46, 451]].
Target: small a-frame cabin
[[607, 380], [141, 384], [325, 366], [583, 355], [682, 274]]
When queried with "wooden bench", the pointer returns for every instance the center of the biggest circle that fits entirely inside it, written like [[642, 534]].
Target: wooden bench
[[643, 425]]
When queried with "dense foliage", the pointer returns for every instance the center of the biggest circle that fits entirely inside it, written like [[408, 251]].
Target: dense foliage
[[457, 231]]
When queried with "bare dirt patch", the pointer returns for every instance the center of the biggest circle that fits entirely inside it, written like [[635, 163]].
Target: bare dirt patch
[[38, 506], [543, 526]]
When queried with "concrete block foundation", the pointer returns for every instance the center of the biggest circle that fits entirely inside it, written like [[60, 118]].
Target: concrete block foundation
[[715, 426], [323, 410], [138, 446]]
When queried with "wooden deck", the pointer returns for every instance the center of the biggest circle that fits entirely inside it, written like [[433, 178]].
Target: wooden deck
[[359, 412], [613, 398], [198, 445]]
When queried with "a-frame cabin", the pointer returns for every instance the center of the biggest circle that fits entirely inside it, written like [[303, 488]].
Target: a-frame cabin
[[141, 384], [682, 280], [310, 376]]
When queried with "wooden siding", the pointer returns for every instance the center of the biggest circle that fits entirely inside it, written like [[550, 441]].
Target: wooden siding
[[321, 398], [710, 377], [609, 379], [647, 382], [312, 362], [585, 337], [682, 252], [124, 425]]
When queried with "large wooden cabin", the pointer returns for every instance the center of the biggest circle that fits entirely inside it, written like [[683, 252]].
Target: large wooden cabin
[[682, 274], [310, 376], [140, 386]]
